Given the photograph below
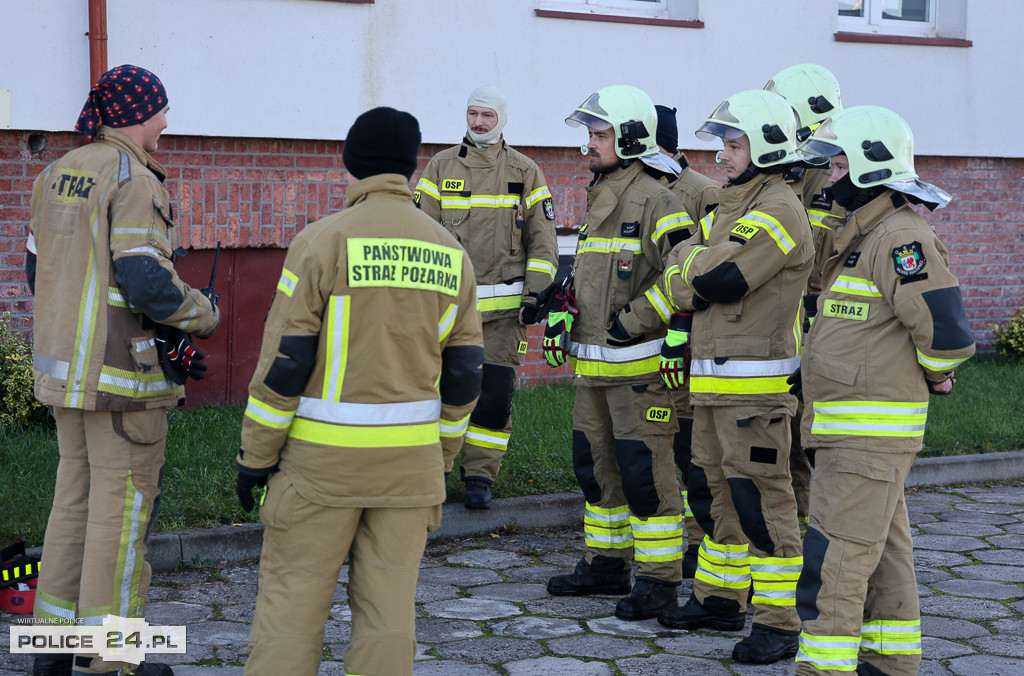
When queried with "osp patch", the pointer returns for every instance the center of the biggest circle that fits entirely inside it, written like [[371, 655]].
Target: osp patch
[[656, 414]]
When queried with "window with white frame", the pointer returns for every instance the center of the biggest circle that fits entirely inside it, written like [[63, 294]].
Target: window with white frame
[[889, 17], [685, 10]]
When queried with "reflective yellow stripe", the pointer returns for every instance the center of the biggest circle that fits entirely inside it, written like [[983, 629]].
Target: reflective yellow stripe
[[500, 303], [705, 225], [817, 217], [537, 195], [724, 566], [54, 609], [669, 223], [658, 538], [836, 653], [499, 296], [855, 286], [775, 579], [484, 438], [267, 415], [541, 265], [429, 188], [704, 385], [607, 528], [130, 552], [134, 384], [772, 226], [892, 637], [447, 321], [610, 370], [352, 436], [607, 245], [937, 363], [660, 303], [688, 262], [670, 272], [338, 311], [454, 428], [479, 201], [287, 283], [870, 418]]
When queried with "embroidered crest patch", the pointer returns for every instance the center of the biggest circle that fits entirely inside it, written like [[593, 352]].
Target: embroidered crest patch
[[549, 209], [908, 259]]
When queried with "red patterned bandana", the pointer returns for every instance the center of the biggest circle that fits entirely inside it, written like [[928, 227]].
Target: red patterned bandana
[[124, 96]]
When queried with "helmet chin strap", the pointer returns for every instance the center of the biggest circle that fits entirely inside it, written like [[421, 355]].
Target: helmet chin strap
[[748, 174]]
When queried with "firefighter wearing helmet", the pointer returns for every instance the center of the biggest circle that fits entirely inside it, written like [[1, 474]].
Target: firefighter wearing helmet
[[813, 92], [737, 292], [610, 324], [890, 330]]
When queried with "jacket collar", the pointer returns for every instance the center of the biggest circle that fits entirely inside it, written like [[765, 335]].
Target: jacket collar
[[733, 196], [472, 156], [864, 220], [385, 185], [117, 138]]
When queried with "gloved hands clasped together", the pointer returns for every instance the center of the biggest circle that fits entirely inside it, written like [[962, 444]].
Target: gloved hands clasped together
[[556, 335]]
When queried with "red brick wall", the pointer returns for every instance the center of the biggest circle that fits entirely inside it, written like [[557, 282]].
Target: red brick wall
[[257, 193]]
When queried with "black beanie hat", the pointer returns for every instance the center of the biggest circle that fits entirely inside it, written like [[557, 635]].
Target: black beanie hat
[[668, 132], [382, 141]]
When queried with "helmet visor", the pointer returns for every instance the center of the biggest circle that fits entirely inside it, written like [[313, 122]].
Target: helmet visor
[[813, 151], [581, 118], [711, 130]]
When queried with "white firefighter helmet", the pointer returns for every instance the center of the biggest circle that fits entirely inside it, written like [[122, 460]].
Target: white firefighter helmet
[[812, 90], [766, 119]]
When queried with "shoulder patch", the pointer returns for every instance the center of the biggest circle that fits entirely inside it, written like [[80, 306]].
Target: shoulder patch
[[851, 260], [908, 259], [549, 209]]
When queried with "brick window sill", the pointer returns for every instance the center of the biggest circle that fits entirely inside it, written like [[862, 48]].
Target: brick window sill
[[901, 40], [614, 18]]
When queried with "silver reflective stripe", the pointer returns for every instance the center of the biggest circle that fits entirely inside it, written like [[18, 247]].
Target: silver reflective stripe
[[51, 609], [55, 368], [498, 290], [143, 250], [616, 355], [145, 345], [124, 171], [130, 560], [134, 382], [347, 413], [738, 368]]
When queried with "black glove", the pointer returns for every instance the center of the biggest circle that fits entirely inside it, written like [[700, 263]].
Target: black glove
[[531, 313], [699, 303], [179, 358], [248, 479], [810, 302], [210, 293], [796, 384]]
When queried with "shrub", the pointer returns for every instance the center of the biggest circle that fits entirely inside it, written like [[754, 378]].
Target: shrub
[[1010, 336], [18, 405]]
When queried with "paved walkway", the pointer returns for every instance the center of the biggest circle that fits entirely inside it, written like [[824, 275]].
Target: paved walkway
[[482, 609]]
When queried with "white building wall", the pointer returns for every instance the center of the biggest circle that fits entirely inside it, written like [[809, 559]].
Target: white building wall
[[306, 68]]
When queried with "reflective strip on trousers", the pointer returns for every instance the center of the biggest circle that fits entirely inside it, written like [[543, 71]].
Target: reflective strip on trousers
[[837, 653], [54, 609], [454, 428], [607, 528], [775, 579], [658, 538], [870, 418], [892, 637], [485, 438], [724, 566]]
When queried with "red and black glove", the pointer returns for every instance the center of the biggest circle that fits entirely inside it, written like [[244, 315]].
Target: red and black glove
[[179, 358]]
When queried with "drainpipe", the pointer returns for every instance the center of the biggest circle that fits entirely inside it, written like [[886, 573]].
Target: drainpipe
[[97, 40]]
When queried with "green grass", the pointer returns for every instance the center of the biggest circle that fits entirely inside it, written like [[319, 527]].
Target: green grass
[[982, 415]]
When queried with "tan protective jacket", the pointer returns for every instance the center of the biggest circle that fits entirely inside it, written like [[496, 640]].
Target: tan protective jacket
[[824, 214], [497, 204], [101, 203], [631, 223], [697, 192], [373, 308], [890, 318], [752, 270]]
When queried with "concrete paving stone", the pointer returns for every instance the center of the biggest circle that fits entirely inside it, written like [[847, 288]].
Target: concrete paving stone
[[964, 608], [458, 575], [671, 665], [337, 631], [1014, 494], [538, 628], [565, 560], [582, 607], [981, 571], [1013, 626], [193, 654], [509, 591], [490, 650], [525, 543], [1018, 606], [239, 612], [1007, 645], [340, 594], [938, 558], [452, 668], [491, 559], [960, 528], [780, 668], [916, 518], [600, 647], [1011, 541], [1014, 528], [331, 668], [951, 628], [923, 591], [636, 629], [539, 574], [986, 665], [990, 507], [949, 543], [941, 649], [335, 651], [224, 592], [700, 644], [929, 575], [472, 609], [177, 579], [979, 589], [1004, 557], [193, 670], [242, 574], [341, 611], [960, 516], [436, 630], [564, 666], [427, 593], [176, 613], [915, 496], [231, 654], [218, 633], [933, 668]]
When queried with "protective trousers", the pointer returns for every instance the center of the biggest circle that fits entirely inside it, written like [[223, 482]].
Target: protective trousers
[[622, 457], [490, 425], [744, 453], [857, 595], [682, 451], [105, 499], [800, 469], [304, 547]]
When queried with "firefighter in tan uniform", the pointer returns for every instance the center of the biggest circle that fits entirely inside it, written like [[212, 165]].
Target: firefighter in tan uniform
[[101, 247], [611, 332], [369, 369], [699, 195], [497, 204], [890, 330], [744, 283], [813, 92]]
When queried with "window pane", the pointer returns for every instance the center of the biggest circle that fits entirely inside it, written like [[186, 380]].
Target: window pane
[[851, 7], [907, 10]]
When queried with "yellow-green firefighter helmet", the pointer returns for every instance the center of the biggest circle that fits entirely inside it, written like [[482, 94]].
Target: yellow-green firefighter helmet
[[626, 109], [765, 117], [812, 90]]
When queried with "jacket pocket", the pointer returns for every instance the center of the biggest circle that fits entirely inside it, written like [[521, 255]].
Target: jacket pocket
[[141, 427], [144, 353], [743, 346], [733, 311], [850, 483], [832, 367]]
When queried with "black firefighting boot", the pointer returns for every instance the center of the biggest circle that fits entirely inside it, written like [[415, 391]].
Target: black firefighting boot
[[478, 492], [52, 664], [690, 561], [715, 612], [604, 575], [766, 645], [649, 597], [865, 669], [144, 669]]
